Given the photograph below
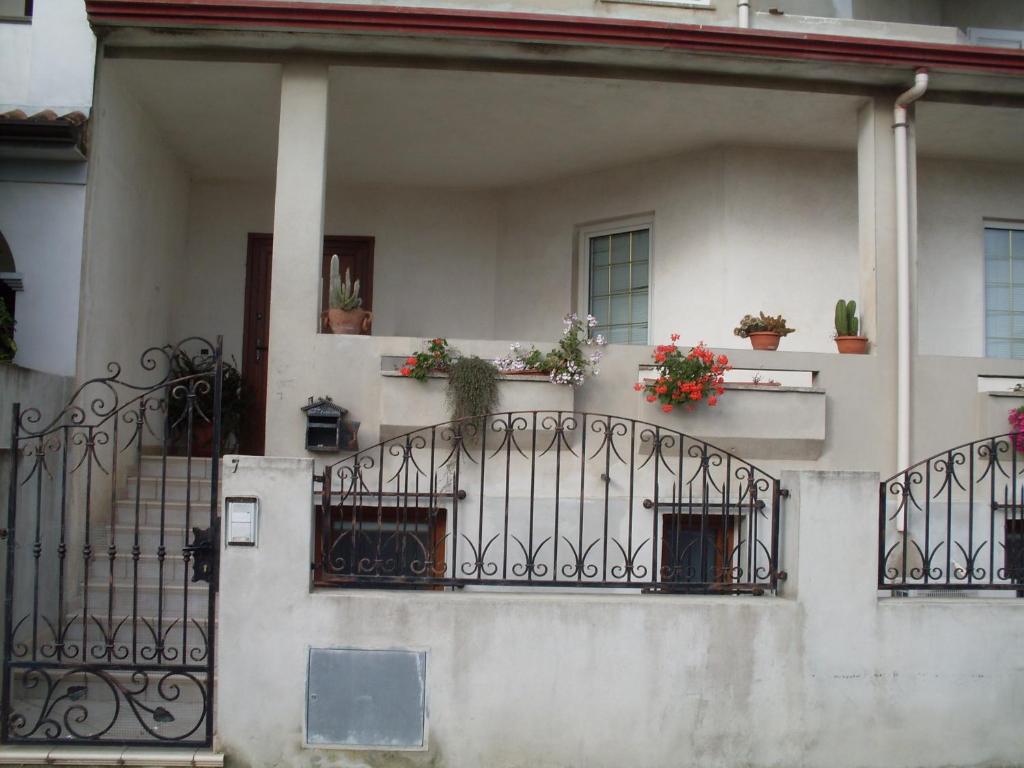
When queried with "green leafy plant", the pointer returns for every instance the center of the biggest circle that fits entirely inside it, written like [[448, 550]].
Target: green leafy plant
[[438, 357], [7, 346], [517, 361], [846, 318], [343, 295], [472, 388], [233, 400], [762, 323], [569, 362]]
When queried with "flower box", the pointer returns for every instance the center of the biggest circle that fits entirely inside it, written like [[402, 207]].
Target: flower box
[[406, 405], [754, 421]]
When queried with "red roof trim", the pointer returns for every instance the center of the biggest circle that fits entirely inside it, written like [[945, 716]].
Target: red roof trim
[[531, 27]]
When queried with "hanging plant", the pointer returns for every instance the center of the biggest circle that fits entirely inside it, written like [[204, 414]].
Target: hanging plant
[[472, 388]]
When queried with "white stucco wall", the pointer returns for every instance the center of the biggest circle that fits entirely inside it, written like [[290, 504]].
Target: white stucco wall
[[48, 63], [434, 256], [135, 236], [611, 680], [954, 200], [42, 223], [736, 230]]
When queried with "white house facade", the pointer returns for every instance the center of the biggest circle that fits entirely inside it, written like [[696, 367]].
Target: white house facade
[[266, 543]]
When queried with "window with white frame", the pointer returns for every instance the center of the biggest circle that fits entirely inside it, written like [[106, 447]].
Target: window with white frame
[[617, 264], [1004, 291]]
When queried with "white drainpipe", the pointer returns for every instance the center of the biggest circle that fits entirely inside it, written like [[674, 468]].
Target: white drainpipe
[[743, 14], [903, 269]]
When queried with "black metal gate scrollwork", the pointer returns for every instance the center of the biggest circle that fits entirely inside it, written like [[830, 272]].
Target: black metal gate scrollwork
[[109, 627], [554, 499], [954, 523]]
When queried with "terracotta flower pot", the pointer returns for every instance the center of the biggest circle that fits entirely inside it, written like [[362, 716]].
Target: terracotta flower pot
[[852, 345], [764, 339], [202, 439], [348, 321]]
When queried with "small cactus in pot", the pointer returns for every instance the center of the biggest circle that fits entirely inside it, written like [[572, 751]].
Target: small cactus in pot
[[345, 314], [848, 339]]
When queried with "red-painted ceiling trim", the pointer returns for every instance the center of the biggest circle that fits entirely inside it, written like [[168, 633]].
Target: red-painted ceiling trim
[[550, 28]]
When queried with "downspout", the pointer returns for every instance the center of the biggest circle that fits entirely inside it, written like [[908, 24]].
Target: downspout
[[903, 352], [743, 14]]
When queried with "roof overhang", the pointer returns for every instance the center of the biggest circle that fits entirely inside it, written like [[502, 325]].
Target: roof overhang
[[43, 136], [266, 30]]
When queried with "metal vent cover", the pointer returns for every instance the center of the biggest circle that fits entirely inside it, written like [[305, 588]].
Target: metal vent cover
[[366, 698]]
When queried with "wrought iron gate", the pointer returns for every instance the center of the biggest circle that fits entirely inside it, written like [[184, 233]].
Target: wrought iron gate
[[548, 499], [954, 523], [112, 525]]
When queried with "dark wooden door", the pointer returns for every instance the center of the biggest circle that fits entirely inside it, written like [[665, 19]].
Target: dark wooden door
[[255, 342]]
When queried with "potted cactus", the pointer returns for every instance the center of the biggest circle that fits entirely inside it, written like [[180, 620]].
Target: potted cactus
[[847, 325], [345, 314]]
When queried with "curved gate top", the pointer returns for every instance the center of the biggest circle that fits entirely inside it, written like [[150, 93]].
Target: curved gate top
[[955, 522], [548, 499], [111, 557]]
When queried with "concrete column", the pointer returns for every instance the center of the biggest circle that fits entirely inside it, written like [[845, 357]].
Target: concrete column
[[263, 587], [876, 190], [298, 238]]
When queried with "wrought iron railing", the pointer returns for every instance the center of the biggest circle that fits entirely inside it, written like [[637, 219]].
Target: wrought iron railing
[[552, 499], [955, 521], [107, 637]]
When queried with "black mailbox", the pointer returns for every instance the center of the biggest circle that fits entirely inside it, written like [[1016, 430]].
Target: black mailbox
[[325, 427]]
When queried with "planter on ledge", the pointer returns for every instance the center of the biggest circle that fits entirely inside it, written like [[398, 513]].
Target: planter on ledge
[[852, 345], [754, 421], [406, 404], [764, 340]]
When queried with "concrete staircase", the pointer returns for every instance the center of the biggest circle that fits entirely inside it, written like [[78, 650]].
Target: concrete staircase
[[132, 603]]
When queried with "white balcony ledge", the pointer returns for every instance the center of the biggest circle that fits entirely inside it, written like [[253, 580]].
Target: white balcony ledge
[[994, 411], [753, 421], [407, 404]]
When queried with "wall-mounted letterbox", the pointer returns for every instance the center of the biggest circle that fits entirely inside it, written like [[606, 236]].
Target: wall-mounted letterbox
[[326, 427]]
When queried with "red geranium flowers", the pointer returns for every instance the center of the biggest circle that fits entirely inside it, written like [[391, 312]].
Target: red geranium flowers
[[685, 379]]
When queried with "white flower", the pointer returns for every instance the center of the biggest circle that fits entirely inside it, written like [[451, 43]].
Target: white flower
[[600, 340], [591, 321]]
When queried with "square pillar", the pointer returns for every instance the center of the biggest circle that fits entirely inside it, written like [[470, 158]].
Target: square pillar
[[876, 213], [298, 240]]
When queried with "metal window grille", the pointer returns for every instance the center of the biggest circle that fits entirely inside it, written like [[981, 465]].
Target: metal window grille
[[1004, 292], [619, 269]]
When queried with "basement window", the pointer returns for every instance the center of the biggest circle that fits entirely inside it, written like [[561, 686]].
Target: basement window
[[370, 542]]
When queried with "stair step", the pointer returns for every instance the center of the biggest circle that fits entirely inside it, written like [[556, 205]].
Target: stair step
[[149, 488], [174, 513], [177, 467], [147, 596], [132, 757], [174, 537], [149, 568]]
